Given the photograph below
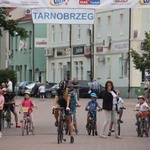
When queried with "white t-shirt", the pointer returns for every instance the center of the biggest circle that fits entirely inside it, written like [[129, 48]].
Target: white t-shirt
[[10, 86], [120, 101], [142, 107], [42, 89], [114, 97]]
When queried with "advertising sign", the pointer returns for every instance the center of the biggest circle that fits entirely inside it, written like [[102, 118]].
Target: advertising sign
[[63, 16], [95, 4]]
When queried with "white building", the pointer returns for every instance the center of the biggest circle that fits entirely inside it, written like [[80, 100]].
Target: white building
[[61, 52]]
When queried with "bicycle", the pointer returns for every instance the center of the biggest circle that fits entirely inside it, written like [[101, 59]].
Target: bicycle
[[142, 127], [61, 121], [6, 116], [118, 121], [25, 121], [92, 122]]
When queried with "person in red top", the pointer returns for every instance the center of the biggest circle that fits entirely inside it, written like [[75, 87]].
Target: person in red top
[[27, 102]]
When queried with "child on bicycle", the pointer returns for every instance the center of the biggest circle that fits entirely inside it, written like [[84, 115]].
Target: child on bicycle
[[74, 103], [120, 104], [27, 102], [92, 106], [142, 106]]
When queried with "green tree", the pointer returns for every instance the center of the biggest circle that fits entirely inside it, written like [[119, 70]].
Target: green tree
[[142, 60], [11, 25], [8, 74]]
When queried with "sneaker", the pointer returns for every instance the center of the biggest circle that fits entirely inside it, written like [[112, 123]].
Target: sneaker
[[71, 139], [112, 130], [76, 131], [109, 134], [118, 137], [96, 133], [102, 136], [137, 123], [18, 125], [56, 123], [146, 134], [120, 121]]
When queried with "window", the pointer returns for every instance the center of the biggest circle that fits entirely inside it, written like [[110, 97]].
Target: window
[[61, 32], [98, 27], [121, 23], [61, 71], [79, 32], [53, 71], [81, 65], [108, 68], [53, 34], [16, 43], [30, 39], [120, 67], [109, 25], [76, 69]]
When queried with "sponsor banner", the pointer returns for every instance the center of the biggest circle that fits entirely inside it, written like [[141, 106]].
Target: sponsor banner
[[95, 4], [62, 52], [63, 16], [41, 42]]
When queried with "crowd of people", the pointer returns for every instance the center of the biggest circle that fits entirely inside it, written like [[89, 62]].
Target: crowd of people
[[67, 97]]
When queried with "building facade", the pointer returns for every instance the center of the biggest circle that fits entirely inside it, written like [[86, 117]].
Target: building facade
[[66, 53]]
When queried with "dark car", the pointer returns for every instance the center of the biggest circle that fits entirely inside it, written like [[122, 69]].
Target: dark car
[[35, 91], [22, 86], [50, 92]]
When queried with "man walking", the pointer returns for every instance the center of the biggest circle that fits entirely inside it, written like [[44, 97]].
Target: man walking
[[95, 87]]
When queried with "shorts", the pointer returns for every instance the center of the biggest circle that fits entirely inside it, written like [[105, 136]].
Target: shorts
[[6, 107], [63, 103], [42, 93]]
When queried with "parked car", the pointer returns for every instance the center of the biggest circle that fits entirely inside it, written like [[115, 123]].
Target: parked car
[[50, 92], [22, 85], [35, 92], [16, 88], [29, 87]]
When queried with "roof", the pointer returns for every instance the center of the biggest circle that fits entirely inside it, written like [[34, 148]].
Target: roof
[[25, 18]]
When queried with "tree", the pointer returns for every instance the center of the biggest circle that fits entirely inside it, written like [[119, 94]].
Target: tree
[[11, 25], [8, 74], [142, 60]]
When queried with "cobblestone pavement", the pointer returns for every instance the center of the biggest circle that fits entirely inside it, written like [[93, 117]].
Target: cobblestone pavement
[[45, 137]]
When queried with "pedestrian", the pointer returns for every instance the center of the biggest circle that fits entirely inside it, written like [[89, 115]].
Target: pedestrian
[[76, 87], [4, 87], [9, 85], [46, 85], [146, 84], [42, 91], [147, 95], [110, 108], [1, 109], [95, 87], [35, 89]]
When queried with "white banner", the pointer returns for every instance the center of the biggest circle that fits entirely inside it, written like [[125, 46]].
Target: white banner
[[63, 16], [76, 3]]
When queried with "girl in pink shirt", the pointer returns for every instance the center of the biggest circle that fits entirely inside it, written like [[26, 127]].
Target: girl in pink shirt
[[1, 108], [27, 102]]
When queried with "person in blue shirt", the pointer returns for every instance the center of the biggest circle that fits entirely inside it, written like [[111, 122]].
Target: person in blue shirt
[[74, 103], [92, 106]]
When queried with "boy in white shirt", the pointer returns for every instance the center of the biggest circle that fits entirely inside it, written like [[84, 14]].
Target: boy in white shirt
[[42, 91], [142, 106]]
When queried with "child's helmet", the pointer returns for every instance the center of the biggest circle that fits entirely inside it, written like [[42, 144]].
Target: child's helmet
[[93, 95], [26, 92], [141, 97], [63, 84]]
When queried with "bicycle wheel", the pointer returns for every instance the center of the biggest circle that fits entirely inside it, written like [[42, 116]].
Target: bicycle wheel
[[60, 131], [8, 119], [66, 127], [93, 129], [138, 130], [27, 128], [119, 129], [2, 124], [89, 129], [142, 128], [23, 127]]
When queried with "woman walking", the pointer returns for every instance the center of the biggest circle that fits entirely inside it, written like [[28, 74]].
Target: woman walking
[[110, 108]]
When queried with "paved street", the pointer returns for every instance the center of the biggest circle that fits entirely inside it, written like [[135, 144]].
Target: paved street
[[45, 137]]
